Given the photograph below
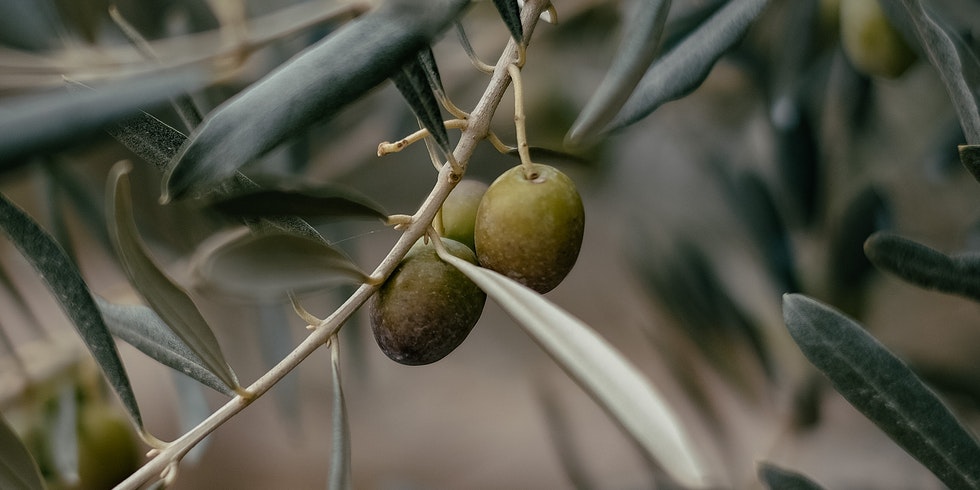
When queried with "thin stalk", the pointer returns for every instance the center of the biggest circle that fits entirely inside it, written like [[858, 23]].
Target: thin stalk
[[475, 131]]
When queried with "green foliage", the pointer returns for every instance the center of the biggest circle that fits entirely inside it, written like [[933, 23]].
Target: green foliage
[[883, 388]]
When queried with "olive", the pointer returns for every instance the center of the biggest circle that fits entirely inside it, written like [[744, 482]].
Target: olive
[[459, 211], [426, 308], [107, 450], [871, 42], [529, 226]]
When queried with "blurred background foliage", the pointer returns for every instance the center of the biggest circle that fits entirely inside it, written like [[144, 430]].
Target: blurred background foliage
[[767, 179]]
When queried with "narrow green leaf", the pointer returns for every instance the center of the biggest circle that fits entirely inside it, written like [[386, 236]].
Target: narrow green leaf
[[757, 207], [847, 266], [46, 123], [269, 265], [428, 61], [776, 478], [616, 384], [157, 143], [885, 390], [168, 299], [314, 202], [18, 470], [688, 287], [956, 63], [510, 12], [970, 158], [643, 28], [311, 87], [151, 139], [340, 472], [923, 266], [684, 67], [63, 434], [800, 160], [65, 282], [143, 329], [412, 80]]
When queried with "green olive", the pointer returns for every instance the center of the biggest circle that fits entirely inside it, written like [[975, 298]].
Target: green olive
[[459, 211], [871, 42], [427, 307], [530, 227], [107, 450]]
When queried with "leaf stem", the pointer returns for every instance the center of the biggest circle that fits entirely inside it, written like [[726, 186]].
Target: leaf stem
[[520, 122]]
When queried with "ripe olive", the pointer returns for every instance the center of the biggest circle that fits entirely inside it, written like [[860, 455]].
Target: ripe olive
[[427, 307], [459, 211], [871, 42], [530, 227]]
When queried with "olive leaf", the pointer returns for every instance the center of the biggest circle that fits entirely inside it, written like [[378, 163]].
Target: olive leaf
[[956, 63], [847, 266], [340, 471], [62, 441], [166, 298], [143, 329], [46, 123], [687, 285], [616, 384], [798, 24], [65, 282], [413, 81], [312, 86], [643, 29], [510, 12], [970, 158], [757, 207], [268, 265], [686, 65], [428, 61], [149, 138], [157, 143], [924, 266], [885, 390], [313, 202], [18, 470], [776, 478]]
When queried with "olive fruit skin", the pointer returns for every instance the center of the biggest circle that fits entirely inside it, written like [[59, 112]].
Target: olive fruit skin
[[530, 229], [459, 211], [427, 307], [871, 42], [107, 450]]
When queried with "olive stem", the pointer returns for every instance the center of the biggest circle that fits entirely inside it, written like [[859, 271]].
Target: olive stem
[[475, 131], [520, 122], [386, 148]]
